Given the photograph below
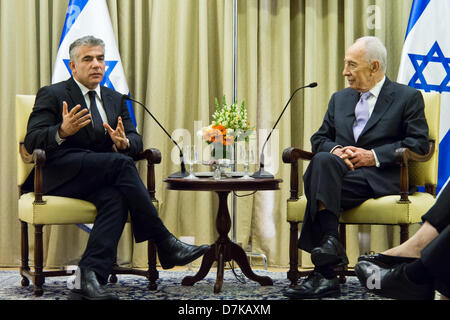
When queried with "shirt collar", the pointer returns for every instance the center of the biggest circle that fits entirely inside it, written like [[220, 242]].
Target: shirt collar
[[375, 91], [85, 90]]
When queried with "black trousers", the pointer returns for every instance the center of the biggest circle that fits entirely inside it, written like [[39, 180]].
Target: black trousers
[[112, 183], [436, 258], [439, 214], [328, 180], [436, 255]]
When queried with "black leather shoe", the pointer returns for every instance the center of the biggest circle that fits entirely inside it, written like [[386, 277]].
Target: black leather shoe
[[329, 253], [87, 287], [172, 252], [391, 282], [385, 261], [314, 287]]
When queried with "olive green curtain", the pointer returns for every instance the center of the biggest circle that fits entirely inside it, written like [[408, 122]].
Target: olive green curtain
[[177, 56]]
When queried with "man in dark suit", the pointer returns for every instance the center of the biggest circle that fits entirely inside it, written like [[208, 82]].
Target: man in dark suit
[[89, 140], [354, 157], [419, 266]]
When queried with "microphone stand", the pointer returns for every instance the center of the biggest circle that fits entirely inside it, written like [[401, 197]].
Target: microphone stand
[[261, 173], [180, 174]]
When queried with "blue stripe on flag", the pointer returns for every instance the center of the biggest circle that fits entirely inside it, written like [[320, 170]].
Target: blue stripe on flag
[[84, 227], [444, 161], [73, 11], [417, 8], [131, 111]]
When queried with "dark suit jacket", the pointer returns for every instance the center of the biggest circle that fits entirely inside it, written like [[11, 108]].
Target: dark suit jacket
[[64, 161], [397, 121]]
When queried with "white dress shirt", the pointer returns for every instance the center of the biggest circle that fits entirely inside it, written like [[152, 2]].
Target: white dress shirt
[[375, 92]]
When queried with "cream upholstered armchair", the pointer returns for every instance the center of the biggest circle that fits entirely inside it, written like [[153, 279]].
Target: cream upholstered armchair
[[38, 210], [401, 209]]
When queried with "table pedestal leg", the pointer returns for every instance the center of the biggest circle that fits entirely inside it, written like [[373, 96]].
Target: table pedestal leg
[[208, 259], [238, 255], [224, 250]]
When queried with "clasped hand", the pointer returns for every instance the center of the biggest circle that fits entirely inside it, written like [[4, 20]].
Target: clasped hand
[[355, 157], [76, 119]]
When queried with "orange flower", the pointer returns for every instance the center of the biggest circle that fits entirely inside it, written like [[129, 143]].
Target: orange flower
[[215, 133], [218, 134], [228, 140], [221, 128], [210, 134]]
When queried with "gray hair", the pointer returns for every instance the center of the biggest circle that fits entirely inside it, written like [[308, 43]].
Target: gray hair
[[89, 41], [375, 51]]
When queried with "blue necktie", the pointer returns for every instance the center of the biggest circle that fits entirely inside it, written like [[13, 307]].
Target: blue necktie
[[361, 114]]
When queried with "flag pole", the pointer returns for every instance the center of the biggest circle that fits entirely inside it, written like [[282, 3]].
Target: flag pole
[[234, 167]]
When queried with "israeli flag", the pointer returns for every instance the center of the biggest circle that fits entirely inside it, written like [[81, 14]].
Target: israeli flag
[[425, 65], [91, 17]]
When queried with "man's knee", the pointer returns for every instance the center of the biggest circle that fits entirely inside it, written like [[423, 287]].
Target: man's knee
[[324, 164], [121, 158], [120, 161], [320, 161], [323, 158], [106, 162], [325, 161]]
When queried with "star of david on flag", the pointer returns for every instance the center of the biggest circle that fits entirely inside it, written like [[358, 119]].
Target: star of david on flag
[[91, 17], [420, 62], [425, 65]]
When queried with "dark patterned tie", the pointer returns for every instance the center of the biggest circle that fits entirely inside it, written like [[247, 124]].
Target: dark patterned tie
[[96, 119]]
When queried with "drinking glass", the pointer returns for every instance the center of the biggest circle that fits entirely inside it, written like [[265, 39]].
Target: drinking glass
[[191, 157], [247, 155]]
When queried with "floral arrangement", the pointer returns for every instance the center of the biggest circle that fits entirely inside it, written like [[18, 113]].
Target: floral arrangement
[[229, 124]]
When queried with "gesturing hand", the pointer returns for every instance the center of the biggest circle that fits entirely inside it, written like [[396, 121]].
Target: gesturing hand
[[73, 121], [118, 136]]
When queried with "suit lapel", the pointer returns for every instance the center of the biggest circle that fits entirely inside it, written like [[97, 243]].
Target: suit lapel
[[75, 93], [349, 112], [384, 100], [108, 106]]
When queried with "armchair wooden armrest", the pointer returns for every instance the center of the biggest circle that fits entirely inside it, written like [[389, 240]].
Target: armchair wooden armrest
[[403, 156], [292, 155], [38, 158], [153, 156]]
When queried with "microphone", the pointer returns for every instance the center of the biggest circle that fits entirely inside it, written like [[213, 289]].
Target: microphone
[[180, 174], [261, 173]]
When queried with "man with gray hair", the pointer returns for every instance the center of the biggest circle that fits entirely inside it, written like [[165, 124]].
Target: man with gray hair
[[90, 141], [354, 157]]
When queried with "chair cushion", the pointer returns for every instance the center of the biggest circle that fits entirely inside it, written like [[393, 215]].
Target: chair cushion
[[58, 210], [384, 210]]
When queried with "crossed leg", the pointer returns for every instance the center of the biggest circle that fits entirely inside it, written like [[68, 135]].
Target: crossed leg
[[414, 245]]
